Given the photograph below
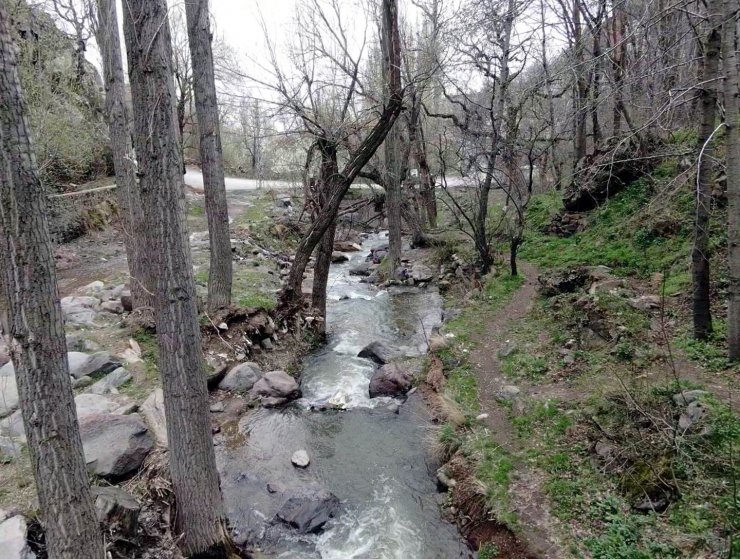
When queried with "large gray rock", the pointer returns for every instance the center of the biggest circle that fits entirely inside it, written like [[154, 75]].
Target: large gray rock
[[13, 428], [110, 383], [421, 272], [13, 543], [390, 380], [82, 364], [80, 311], [241, 378], [9, 448], [276, 388], [8, 394], [91, 404], [153, 411], [308, 514], [378, 352], [115, 445]]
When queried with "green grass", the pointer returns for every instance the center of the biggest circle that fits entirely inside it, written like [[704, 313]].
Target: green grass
[[257, 301]]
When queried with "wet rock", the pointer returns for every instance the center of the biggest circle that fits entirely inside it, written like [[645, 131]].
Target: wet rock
[[694, 412], [338, 257], [82, 364], [13, 542], [241, 378], [308, 514], [378, 352], [300, 459], [421, 272], [390, 380], [153, 411], [276, 388], [114, 445], [346, 246], [362, 269], [686, 397], [508, 393], [110, 383], [117, 510]]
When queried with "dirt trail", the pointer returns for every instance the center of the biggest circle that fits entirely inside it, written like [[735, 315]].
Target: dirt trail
[[526, 494]]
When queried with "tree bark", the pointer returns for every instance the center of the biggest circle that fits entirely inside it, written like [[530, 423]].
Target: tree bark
[[391, 145], [211, 153], [290, 296], [124, 158], [700, 251], [32, 321], [732, 122], [199, 519]]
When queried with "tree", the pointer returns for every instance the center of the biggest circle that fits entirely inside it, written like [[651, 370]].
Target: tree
[[124, 158], [31, 317], [732, 122], [700, 251], [199, 521], [211, 153]]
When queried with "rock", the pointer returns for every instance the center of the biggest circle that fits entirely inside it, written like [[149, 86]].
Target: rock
[[508, 393], [481, 417], [421, 272], [565, 281], [276, 388], [13, 543], [266, 344], [218, 407], [338, 257], [390, 380], [13, 428], [509, 348], [346, 246], [362, 269], [82, 382], [444, 482], [82, 364], [378, 352], [691, 416], [114, 307], [241, 378], [4, 356], [606, 286], [114, 445], [651, 505], [92, 404], [110, 383], [93, 288], [10, 448], [153, 411], [80, 311], [686, 397], [300, 459], [308, 514], [8, 393], [645, 302], [117, 510]]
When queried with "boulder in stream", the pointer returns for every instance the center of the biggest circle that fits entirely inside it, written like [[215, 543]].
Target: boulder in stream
[[308, 514], [378, 352], [241, 378], [300, 459], [276, 388], [390, 380]]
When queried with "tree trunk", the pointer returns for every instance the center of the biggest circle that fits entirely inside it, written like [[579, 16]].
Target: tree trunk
[[211, 153], [391, 147], [732, 121], [199, 519], [327, 173], [700, 251], [124, 158], [580, 89], [290, 296], [31, 318], [513, 250]]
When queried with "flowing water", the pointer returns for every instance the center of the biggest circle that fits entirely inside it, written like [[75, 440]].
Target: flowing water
[[372, 456]]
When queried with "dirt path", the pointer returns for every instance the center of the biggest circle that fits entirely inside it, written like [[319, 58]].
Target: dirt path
[[526, 493]]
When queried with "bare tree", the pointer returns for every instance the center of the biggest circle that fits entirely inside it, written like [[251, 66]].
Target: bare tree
[[31, 317], [732, 122], [199, 521], [124, 158], [211, 153], [700, 251]]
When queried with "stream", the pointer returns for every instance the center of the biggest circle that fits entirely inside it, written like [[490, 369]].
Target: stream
[[373, 457]]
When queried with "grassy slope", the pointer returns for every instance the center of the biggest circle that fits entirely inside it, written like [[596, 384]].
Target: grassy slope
[[619, 392]]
